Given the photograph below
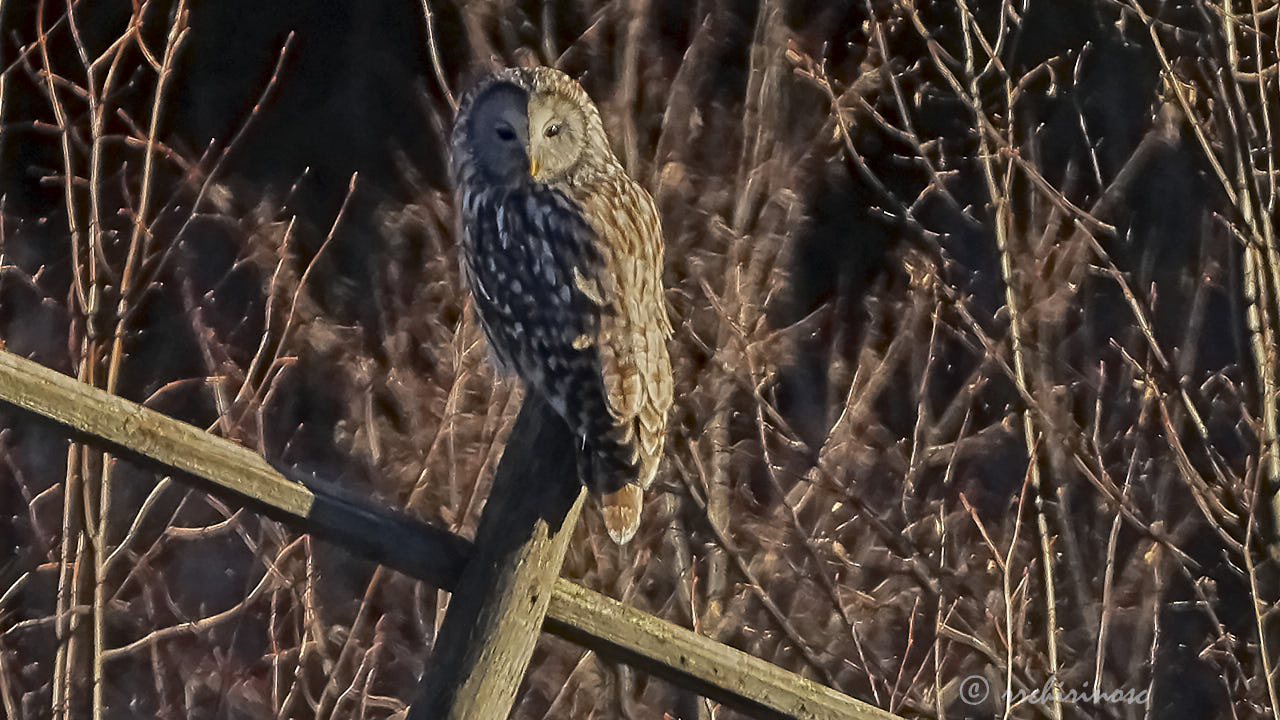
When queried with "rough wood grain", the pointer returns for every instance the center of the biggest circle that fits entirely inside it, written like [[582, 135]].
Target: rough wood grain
[[146, 433], [720, 672], [496, 612], [389, 537]]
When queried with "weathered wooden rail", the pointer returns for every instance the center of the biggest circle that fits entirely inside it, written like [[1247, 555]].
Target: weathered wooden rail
[[460, 682]]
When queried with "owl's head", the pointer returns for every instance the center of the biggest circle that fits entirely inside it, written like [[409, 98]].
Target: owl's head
[[533, 123], [497, 131]]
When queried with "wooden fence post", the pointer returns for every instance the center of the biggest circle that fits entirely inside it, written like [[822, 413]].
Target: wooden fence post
[[496, 612], [366, 528]]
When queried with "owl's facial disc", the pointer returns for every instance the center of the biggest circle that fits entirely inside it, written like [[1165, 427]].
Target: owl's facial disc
[[556, 136], [499, 132]]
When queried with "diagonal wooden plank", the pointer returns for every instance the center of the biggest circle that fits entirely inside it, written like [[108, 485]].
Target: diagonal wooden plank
[[144, 432], [430, 554]]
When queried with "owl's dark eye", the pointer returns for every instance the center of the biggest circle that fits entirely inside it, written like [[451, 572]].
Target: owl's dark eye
[[505, 133], [552, 130]]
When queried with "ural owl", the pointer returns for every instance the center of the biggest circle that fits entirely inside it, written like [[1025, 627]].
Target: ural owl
[[563, 255]]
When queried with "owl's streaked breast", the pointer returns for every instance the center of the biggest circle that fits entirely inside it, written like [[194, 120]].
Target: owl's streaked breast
[[524, 246]]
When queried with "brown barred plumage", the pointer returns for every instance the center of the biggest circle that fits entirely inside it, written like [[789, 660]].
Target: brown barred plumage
[[563, 254]]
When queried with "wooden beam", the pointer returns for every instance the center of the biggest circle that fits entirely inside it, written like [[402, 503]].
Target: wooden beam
[[496, 612], [722, 673], [430, 554], [144, 432]]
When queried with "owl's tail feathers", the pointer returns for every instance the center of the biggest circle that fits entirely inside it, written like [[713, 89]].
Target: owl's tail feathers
[[622, 512], [609, 468]]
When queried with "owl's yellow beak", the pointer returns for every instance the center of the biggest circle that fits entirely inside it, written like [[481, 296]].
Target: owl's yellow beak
[[533, 166]]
